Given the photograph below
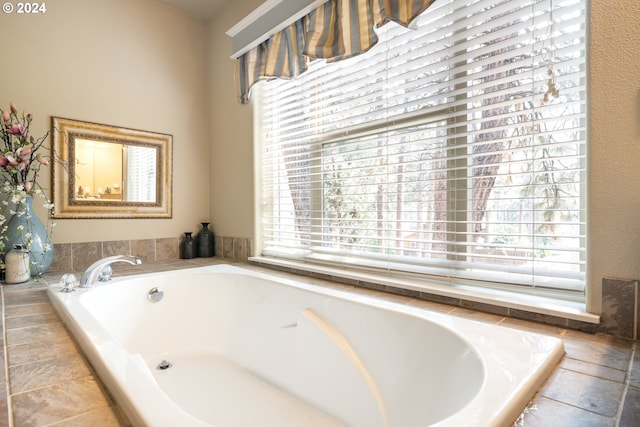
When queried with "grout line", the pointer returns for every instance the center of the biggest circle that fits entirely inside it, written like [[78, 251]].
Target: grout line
[[9, 413], [71, 256], [627, 379], [635, 310]]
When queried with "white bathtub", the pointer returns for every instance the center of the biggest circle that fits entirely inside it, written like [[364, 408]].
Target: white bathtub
[[253, 350]]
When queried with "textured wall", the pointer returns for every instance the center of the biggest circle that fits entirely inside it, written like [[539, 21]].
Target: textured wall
[[614, 141]]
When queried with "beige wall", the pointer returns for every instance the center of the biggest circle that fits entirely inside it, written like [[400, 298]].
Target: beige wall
[[132, 63], [614, 155], [231, 130]]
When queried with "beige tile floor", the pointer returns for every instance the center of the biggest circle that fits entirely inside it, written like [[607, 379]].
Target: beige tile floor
[[47, 381]]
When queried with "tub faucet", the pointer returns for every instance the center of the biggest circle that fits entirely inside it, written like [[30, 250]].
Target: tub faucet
[[93, 272]]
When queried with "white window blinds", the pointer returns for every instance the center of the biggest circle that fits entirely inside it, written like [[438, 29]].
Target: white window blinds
[[455, 149]]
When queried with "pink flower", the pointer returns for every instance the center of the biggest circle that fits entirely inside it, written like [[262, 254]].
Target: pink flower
[[10, 159], [24, 151], [19, 149], [16, 130], [42, 159]]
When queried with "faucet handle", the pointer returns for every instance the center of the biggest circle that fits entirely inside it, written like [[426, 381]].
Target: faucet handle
[[68, 282], [105, 273]]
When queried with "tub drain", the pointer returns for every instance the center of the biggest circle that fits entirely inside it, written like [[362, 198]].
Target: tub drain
[[164, 365]]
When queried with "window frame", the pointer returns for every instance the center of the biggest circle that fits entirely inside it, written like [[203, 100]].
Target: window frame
[[457, 142]]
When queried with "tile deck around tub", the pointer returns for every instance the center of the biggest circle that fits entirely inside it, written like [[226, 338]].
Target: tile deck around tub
[[48, 383]]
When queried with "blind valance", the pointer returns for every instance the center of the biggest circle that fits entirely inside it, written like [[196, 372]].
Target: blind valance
[[336, 30]]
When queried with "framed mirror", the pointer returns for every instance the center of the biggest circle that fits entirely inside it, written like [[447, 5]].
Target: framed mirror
[[104, 171]]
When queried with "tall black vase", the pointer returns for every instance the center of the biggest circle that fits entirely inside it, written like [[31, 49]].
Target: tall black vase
[[187, 247], [206, 247]]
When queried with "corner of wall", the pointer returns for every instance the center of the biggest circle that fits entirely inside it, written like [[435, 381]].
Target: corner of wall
[[620, 303]]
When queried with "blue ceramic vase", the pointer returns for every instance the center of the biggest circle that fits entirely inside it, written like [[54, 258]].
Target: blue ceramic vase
[[27, 230]]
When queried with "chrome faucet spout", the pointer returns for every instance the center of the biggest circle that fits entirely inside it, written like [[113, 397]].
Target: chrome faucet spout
[[92, 273]]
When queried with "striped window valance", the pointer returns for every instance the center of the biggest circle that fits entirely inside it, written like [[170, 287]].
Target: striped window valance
[[338, 29]]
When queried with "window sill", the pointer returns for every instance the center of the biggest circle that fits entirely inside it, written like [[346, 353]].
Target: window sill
[[538, 305]]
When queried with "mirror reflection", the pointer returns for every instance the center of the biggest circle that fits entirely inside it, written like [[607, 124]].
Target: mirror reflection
[[114, 172]]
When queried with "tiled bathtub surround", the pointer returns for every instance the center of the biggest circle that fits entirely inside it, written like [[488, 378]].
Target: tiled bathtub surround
[[50, 384], [233, 248], [79, 256]]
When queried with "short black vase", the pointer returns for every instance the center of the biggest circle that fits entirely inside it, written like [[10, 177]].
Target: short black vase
[[206, 247]]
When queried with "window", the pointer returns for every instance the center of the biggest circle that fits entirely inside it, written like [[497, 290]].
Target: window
[[455, 149]]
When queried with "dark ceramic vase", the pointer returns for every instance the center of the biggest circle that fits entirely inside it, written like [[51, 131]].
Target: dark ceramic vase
[[205, 242], [187, 247]]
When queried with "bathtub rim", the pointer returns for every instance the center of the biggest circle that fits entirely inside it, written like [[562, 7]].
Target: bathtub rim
[[505, 413]]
